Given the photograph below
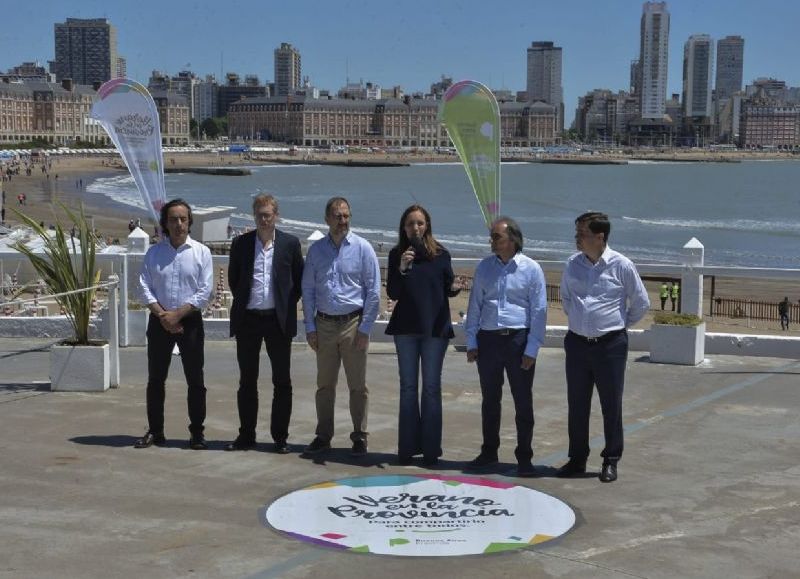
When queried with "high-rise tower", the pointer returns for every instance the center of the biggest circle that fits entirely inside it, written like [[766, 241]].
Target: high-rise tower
[[544, 76], [698, 56], [287, 69], [730, 63], [86, 50], [653, 60]]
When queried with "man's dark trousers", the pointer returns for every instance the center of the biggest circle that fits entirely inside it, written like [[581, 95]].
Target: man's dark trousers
[[257, 328], [159, 355], [499, 352], [602, 364]]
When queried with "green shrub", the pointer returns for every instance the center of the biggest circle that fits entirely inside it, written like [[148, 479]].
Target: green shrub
[[673, 319], [64, 270]]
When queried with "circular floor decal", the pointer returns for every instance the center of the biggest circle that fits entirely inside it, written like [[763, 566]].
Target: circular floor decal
[[420, 515]]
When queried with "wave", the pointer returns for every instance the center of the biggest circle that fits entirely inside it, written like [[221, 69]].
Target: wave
[[121, 189], [752, 225]]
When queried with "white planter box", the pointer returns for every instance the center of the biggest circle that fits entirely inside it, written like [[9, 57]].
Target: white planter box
[[80, 368], [677, 344]]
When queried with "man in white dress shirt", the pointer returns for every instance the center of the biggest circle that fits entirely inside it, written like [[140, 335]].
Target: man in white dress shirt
[[175, 284], [505, 329], [602, 295]]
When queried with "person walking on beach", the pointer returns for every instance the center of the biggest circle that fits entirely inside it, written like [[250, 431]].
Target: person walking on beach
[[602, 295], [674, 293], [505, 328], [175, 283], [341, 300], [264, 273], [664, 294], [420, 279], [783, 311]]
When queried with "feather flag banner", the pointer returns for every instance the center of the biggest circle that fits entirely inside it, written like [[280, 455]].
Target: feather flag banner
[[127, 112], [471, 115]]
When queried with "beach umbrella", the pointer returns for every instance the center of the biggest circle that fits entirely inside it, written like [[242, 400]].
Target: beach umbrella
[[471, 115]]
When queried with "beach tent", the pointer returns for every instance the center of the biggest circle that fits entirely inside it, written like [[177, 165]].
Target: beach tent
[[316, 235]]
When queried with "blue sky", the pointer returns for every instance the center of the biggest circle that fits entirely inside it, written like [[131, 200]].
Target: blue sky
[[409, 42]]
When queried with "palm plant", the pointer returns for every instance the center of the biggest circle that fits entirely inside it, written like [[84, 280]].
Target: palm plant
[[64, 270]]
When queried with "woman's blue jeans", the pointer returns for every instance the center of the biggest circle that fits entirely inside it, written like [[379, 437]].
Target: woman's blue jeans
[[420, 425]]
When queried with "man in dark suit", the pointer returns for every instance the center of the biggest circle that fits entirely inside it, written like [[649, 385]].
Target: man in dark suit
[[264, 273]]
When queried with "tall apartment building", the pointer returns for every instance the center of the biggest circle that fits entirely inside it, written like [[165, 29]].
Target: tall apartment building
[[730, 63], [544, 76], [653, 60], [205, 99], [698, 59], [86, 50], [287, 69]]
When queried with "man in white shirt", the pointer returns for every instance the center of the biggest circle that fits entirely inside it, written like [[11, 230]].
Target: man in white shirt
[[341, 297], [602, 295], [175, 284], [264, 272], [505, 329]]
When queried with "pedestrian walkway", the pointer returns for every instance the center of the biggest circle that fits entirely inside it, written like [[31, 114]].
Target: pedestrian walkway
[[709, 483]]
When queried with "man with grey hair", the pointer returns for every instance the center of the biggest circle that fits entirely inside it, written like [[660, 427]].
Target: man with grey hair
[[505, 328]]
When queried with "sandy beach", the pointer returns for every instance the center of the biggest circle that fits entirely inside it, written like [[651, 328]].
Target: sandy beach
[[62, 184]]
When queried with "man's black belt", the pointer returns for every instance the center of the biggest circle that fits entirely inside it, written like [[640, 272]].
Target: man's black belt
[[270, 313], [506, 331], [598, 339], [340, 317]]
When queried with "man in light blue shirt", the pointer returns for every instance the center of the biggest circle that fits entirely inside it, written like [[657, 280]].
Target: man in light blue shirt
[[602, 295], [175, 284], [341, 298], [505, 328]]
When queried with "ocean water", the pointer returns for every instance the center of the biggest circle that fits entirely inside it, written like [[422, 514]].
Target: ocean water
[[745, 214]]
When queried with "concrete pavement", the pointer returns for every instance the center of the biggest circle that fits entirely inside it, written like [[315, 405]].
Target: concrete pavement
[[709, 484]]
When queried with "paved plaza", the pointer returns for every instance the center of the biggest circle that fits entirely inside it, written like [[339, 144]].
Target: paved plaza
[[709, 484]]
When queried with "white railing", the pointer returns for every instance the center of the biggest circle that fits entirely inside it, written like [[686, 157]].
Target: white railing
[[127, 266]]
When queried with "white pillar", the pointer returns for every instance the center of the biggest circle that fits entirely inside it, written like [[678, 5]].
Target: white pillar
[[691, 291], [113, 330]]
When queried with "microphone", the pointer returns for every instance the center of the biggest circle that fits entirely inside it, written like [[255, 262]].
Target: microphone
[[418, 246]]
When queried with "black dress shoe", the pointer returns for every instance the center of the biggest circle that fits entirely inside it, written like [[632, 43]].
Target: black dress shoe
[[571, 468], [149, 439], [240, 444], [430, 460], [198, 442], [609, 472], [482, 461], [280, 447], [405, 460]]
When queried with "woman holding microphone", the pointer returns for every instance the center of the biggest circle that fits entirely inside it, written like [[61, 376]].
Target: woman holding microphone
[[420, 279]]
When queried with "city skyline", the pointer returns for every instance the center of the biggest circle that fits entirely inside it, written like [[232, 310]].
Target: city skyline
[[412, 46]]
